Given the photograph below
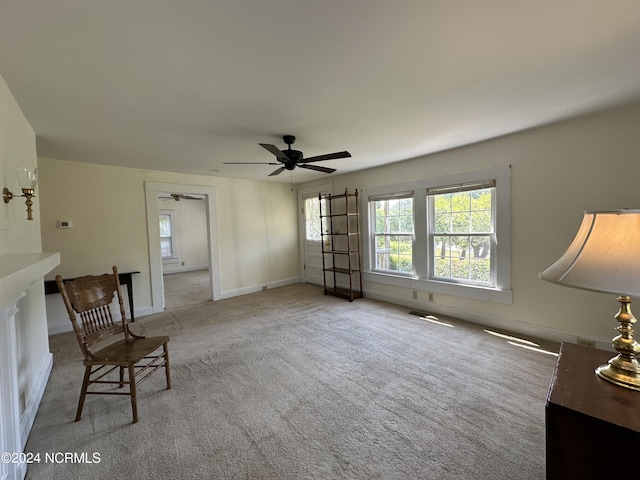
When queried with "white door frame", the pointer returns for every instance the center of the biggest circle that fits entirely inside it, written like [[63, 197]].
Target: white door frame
[[302, 193], [153, 229]]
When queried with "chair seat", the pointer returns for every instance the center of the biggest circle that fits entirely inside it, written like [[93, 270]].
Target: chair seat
[[130, 351]]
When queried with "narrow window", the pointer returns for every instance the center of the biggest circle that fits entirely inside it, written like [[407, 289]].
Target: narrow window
[[168, 242], [312, 218], [393, 233]]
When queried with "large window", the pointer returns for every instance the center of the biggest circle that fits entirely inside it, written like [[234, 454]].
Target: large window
[[393, 234], [461, 233], [446, 235]]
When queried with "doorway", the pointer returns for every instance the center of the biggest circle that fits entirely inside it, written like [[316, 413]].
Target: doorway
[[310, 239], [184, 249], [152, 191]]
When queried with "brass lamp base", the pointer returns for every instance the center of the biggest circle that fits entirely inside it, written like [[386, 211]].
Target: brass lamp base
[[623, 369]]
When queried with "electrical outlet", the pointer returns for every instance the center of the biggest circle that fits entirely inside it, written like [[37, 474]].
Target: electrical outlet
[[415, 295], [586, 342], [431, 296]]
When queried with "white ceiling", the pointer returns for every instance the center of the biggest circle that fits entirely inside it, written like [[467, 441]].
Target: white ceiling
[[185, 85]]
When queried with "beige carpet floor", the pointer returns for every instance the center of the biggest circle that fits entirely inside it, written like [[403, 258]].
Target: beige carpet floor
[[291, 384], [186, 288]]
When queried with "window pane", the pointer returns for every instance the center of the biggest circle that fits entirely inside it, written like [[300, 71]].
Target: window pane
[[393, 225], [481, 221], [312, 218], [442, 203], [165, 247], [165, 225], [460, 222], [442, 222], [460, 202], [481, 199], [479, 270]]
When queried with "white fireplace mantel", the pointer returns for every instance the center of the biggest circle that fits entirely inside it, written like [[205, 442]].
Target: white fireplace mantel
[[18, 273]]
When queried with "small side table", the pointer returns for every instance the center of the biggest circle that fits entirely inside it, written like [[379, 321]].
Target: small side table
[[50, 286], [592, 426]]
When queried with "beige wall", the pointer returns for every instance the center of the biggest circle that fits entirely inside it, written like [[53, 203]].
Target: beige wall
[[107, 208], [558, 171]]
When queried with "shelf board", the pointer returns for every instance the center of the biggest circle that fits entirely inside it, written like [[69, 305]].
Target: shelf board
[[336, 234], [344, 214], [342, 270], [343, 293], [340, 195]]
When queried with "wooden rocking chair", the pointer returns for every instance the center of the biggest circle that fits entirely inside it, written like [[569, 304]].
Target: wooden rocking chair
[[108, 345]]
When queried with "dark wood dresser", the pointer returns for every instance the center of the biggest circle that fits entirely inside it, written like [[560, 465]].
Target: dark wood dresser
[[592, 426]]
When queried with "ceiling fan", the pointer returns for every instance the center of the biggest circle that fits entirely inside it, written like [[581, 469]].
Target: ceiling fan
[[290, 159], [180, 196]]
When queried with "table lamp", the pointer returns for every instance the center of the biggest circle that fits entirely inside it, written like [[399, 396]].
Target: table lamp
[[605, 257]]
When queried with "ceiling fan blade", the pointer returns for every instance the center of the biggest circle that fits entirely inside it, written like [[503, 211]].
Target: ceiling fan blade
[[328, 156], [250, 163], [317, 168], [276, 172], [275, 150]]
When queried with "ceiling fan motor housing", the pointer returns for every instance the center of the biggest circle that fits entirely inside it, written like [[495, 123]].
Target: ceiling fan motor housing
[[294, 155]]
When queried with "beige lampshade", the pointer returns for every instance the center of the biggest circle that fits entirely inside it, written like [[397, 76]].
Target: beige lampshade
[[604, 256]]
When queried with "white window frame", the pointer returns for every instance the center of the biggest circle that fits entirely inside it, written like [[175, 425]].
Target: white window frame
[[459, 188], [174, 238], [372, 213], [420, 280]]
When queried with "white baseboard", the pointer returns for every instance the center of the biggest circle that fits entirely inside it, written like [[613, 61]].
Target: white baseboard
[[55, 329], [258, 288], [33, 402], [508, 324]]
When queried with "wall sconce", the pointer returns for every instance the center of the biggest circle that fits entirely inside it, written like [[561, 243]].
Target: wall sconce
[[28, 179]]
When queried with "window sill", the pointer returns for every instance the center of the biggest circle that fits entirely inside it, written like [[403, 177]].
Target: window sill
[[467, 291]]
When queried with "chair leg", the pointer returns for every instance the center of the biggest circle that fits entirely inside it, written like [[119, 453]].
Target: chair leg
[[121, 377], [83, 392], [166, 366], [132, 392]]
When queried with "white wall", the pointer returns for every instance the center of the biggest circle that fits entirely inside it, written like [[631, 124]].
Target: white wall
[[256, 223], [558, 171], [18, 236]]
